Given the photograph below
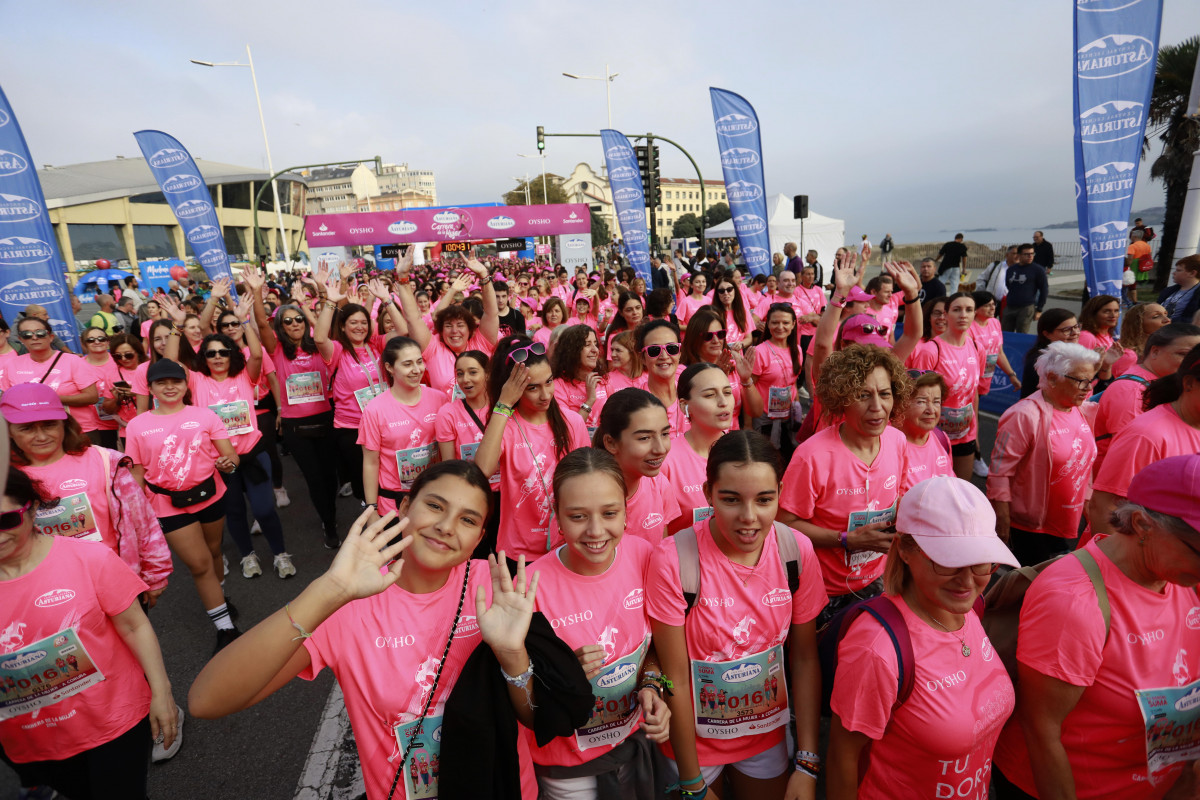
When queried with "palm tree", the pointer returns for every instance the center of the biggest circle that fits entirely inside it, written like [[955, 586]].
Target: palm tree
[[1180, 134]]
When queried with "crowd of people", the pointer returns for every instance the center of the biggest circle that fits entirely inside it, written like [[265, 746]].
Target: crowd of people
[[686, 516]]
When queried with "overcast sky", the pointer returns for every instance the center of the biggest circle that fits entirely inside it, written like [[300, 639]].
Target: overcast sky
[[899, 116]]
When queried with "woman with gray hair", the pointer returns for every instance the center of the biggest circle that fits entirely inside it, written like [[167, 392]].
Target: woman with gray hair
[[1042, 459]]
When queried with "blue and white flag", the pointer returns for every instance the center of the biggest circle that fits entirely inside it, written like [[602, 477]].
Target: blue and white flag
[[625, 181], [31, 270], [740, 146], [1116, 50], [187, 193]]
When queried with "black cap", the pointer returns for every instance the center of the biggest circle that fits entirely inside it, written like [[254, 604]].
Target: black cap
[[165, 368]]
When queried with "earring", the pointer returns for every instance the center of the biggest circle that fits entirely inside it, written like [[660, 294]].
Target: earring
[[1142, 541], [686, 414]]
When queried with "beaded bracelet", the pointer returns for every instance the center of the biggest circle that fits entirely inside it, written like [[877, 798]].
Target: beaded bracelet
[[287, 609]]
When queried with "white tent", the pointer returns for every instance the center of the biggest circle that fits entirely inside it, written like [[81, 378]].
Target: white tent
[[823, 234]]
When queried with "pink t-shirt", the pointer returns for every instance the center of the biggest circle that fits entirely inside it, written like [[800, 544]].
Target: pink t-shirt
[[1120, 404], [962, 368], [741, 611], [618, 380], [651, 508], [527, 461], [939, 743], [807, 301], [925, 461], [403, 435], [685, 472], [105, 373], [1125, 363], [70, 375], [67, 600], [373, 647], [136, 378], [233, 401], [262, 389], [178, 453], [1092, 342], [454, 425], [1155, 435], [775, 379], [831, 488], [359, 375], [733, 331], [81, 485], [4, 359], [303, 383], [686, 308], [1072, 450], [571, 394], [990, 339], [607, 609], [542, 335], [1151, 643], [439, 360], [888, 313]]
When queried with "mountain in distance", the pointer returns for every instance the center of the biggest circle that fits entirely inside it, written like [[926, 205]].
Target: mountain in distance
[[1151, 216]]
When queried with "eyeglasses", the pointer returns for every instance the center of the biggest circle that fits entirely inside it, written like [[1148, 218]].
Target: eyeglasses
[[916, 373], [981, 570], [654, 350], [725, 290], [11, 519], [710, 335], [94, 339], [1076, 328], [291, 320], [38, 334], [522, 354], [221, 353], [124, 356], [1082, 383], [234, 324], [872, 327]]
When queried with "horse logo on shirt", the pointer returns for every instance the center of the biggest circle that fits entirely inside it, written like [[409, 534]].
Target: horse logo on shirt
[[1180, 669], [12, 637], [609, 640], [533, 482], [426, 674], [741, 631]]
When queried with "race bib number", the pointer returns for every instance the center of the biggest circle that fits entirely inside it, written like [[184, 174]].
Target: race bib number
[[858, 559], [456, 393], [779, 402], [956, 422], [367, 394], [234, 416], [421, 761], [616, 708], [1172, 717], [44, 673], [304, 387], [989, 366], [467, 453], [104, 415], [742, 697], [71, 516], [701, 514], [411, 462]]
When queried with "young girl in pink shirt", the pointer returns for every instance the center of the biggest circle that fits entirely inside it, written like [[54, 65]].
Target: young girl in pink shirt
[[777, 364], [624, 367], [580, 384], [704, 341], [706, 399], [657, 342]]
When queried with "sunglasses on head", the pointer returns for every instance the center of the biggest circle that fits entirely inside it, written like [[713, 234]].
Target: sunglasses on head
[[710, 335], [291, 320], [654, 350], [11, 519], [521, 354], [96, 339], [41, 333], [221, 353], [873, 327]]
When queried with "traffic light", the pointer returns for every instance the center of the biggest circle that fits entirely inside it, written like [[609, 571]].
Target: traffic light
[[654, 196], [643, 158], [541, 138]]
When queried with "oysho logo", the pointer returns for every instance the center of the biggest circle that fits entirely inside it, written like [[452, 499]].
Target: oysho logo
[[18, 251], [16, 208], [616, 676], [362, 230], [12, 164], [73, 485], [749, 224], [54, 597], [627, 194], [736, 125], [739, 158], [634, 600], [1111, 121], [501, 223], [177, 184], [623, 173], [212, 258], [1113, 55], [192, 208], [203, 233], [740, 191], [402, 227], [742, 673], [168, 157], [1110, 182], [852, 490], [776, 597]]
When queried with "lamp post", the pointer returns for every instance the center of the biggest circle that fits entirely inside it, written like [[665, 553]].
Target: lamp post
[[607, 78], [266, 143], [525, 184], [542, 156]]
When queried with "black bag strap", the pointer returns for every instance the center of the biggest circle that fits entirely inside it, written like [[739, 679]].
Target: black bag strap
[[474, 416], [52, 365]]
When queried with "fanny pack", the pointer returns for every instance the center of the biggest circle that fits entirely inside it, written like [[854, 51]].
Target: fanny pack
[[181, 498], [307, 428]]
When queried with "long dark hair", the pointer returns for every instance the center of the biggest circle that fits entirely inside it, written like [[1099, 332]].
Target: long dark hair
[[1087, 316], [307, 344], [1169, 388], [618, 322], [456, 467], [742, 447], [617, 411], [569, 349], [339, 333], [501, 367], [793, 338], [23, 489], [237, 359], [1051, 318], [390, 351], [693, 335], [737, 306]]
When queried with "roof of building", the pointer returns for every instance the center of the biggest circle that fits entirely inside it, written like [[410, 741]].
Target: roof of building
[[692, 181], [77, 184]]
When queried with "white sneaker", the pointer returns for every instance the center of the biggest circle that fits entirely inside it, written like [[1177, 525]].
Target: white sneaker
[[346, 490], [161, 753], [284, 567], [250, 566], [281, 498], [225, 562], [981, 468], [802, 393], [255, 528]]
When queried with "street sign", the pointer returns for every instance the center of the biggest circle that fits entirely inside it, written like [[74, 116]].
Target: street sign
[[510, 245]]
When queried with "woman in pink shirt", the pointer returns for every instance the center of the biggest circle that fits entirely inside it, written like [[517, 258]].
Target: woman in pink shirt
[[602, 570], [657, 342], [100, 425], [689, 304], [1042, 460], [928, 447], [777, 365], [71, 378], [630, 311], [706, 400], [580, 376], [1137, 323], [937, 742], [727, 301], [987, 333], [742, 611], [704, 341], [1106, 692], [885, 303], [1098, 319], [625, 369], [129, 360], [554, 313], [155, 346]]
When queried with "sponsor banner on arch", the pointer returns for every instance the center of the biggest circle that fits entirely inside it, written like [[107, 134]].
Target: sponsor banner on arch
[[31, 269], [740, 145], [187, 193], [1116, 47], [450, 224], [625, 181]]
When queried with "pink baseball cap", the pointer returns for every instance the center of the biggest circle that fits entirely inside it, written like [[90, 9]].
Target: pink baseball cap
[[857, 295], [31, 402], [953, 522], [1170, 486], [864, 329]]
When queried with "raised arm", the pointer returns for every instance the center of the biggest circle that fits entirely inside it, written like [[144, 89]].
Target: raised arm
[[220, 289], [255, 283], [487, 457], [379, 290], [490, 324], [904, 276], [255, 359], [845, 277], [323, 330], [417, 328]]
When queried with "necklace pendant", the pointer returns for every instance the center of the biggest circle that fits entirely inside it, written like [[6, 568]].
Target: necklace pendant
[[966, 650]]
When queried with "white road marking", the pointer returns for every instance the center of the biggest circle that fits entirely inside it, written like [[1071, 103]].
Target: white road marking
[[332, 771]]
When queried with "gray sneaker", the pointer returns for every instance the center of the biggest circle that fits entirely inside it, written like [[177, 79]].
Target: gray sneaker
[[284, 567], [250, 566], [161, 753]]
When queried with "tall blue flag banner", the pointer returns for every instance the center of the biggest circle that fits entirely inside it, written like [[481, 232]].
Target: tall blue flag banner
[[1116, 47], [740, 145], [31, 269], [625, 181], [185, 190]]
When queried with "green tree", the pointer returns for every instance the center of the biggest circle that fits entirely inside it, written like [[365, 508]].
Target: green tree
[[554, 193], [600, 232], [686, 227], [1180, 137], [716, 214]]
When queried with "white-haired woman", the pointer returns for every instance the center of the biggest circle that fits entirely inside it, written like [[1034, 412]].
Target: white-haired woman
[[1042, 459]]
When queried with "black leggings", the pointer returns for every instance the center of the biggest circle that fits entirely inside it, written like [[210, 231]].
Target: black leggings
[[266, 424], [350, 459], [1006, 789], [115, 770], [308, 439], [1033, 548]]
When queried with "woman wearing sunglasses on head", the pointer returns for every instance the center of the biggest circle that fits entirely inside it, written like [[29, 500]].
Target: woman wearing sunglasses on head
[[100, 424], [527, 434], [938, 741], [704, 342], [72, 378], [112, 697]]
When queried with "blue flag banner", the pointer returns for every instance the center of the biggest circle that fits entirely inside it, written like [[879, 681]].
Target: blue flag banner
[[187, 193], [31, 269], [740, 145], [1116, 50], [625, 180]]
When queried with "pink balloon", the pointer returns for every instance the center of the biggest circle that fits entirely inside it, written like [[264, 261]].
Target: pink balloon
[[103, 263], [178, 272]]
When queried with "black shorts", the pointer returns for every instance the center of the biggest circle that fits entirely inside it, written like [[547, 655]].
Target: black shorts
[[964, 449], [210, 513]]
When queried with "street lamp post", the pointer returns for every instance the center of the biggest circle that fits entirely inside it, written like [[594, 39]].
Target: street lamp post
[[266, 143], [608, 79], [542, 156]]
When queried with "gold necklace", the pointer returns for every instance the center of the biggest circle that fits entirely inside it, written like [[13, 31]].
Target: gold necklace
[[966, 648]]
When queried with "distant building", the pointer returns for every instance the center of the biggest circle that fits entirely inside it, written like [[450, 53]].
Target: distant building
[[679, 196], [339, 190]]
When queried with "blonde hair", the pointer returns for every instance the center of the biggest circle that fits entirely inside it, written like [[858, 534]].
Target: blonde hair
[[896, 574]]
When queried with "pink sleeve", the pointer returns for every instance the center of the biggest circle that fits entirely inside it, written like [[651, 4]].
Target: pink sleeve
[[216, 428], [798, 494], [867, 679], [117, 587], [578, 431], [87, 374], [664, 594], [1061, 632], [443, 425], [1014, 441], [761, 360], [924, 356], [322, 644], [1129, 453], [369, 430], [810, 597], [138, 383]]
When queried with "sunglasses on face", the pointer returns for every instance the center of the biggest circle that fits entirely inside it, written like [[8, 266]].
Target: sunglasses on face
[[710, 335], [231, 324], [291, 320], [655, 350], [38, 334], [981, 570], [222, 353], [521, 354], [725, 290], [11, 519], [94, 339], [124, 356]]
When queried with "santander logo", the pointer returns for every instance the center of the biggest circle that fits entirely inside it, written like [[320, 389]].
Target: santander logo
[[54, 597]]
